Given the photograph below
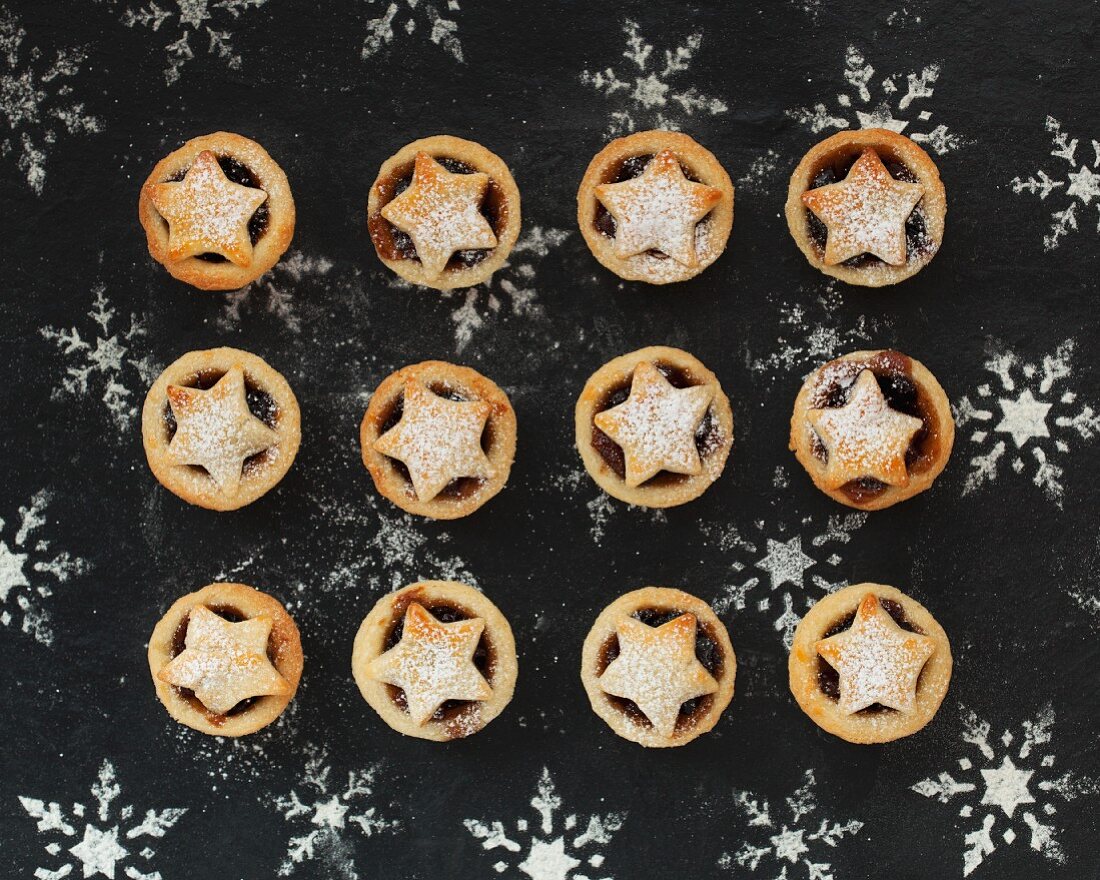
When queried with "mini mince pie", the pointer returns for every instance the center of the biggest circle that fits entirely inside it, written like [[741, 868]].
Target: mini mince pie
[[220, 428], [869, 664], [226, 660], [655, 206], [867, 207], [658, 667], [218, 212], [654, 427], [444, 212], [872, 428], [438, 439], [436, 660]]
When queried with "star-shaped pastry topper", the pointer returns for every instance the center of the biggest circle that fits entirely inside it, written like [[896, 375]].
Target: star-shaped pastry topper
[[207, 213], [433, 663], [655, 426], [657, 669], [865, 213], [441, 213], [225, 662], [877, 660], [437, 439], [865, 437], [658, 210], [216, 430]]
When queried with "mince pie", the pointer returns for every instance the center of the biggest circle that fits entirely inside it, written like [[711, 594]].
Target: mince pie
[[220, 428], [869, 664], [655, 206], [436, 660], [438, 439], [654, 427], [444, 212], [218, 212], [658, 667], [867, 207], [226, 660], [872, 428]]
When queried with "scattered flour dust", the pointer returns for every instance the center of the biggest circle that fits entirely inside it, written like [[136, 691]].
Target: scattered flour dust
[[323, 813], [1025, 419], [646, 90], [794, 841], [30, 569], [1007, 787], [37, 99], [274, 293], [100, 359], [1074, 183], [602, 508], [110, 838], [404, 18], [553, 847]]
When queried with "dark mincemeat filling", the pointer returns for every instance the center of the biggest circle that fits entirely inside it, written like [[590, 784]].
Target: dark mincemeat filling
[[708, 435], [460, 487], [393, 244], [707, 651], [917, 240], [452, 712], [179, 642], [893, 371], [828, 680], [261, 404], [240, 173]]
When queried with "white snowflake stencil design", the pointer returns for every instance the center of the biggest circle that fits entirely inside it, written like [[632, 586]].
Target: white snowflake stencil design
[[553, 848], [868, 104], [100, 850], [1007, 787], [509, 291], [646, 86], [797, 840], [784, 561], [37, 100], [206, 21], [273, 294], [1075, 186], [102, 361], [29, 571], [1026, 419], [401, 17], [326, 812]]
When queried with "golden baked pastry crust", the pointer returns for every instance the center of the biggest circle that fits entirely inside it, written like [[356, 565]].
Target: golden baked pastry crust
[[665, 489], [935, 440], [259, 473], [498, 442], [624, 716], [890, 147], [454, 719], [267, 249], [711, 233], [284, 651], [876, 725], [502, 195]]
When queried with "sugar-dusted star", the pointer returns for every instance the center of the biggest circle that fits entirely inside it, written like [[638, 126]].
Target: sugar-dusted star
[[225, 662], [433, 663], [216, 430], [207, 213], [441, 213], [1025, 418], [437, 439], [657, 669], [658, 210], [865, 213], [656, 424], [865, 437], [877, 661]]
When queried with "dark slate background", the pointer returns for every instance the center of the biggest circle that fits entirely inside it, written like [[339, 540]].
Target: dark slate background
[[997, 566]]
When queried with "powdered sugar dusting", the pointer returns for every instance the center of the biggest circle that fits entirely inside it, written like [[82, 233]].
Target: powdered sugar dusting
[[401, 19]]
